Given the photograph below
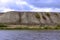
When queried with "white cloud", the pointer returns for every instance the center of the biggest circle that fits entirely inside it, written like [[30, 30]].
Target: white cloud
[[22, 3], [7, 9], [4, 1], [33, 8], [3, 9], [45, 10], [19, 2], [36, 9]]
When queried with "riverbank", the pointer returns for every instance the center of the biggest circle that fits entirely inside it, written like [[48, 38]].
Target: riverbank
[[29, 27]]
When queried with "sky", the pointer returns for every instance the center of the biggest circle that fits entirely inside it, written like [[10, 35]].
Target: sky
[[30, 5]]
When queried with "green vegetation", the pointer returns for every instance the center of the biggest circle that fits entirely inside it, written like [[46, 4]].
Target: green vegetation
[[58, 25], [37, 16], [48, 14], [25, 27], [31, 28], [3, 25]]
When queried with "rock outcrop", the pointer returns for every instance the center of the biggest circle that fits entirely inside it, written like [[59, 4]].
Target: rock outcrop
[[33, 18]]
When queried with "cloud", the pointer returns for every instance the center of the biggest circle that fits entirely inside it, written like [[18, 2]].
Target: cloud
[[6, 9], [45, 10], [37, 9], [4, 1], [25, 5]]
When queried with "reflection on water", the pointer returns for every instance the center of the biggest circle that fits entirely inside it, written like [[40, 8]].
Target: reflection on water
[[29, 35]]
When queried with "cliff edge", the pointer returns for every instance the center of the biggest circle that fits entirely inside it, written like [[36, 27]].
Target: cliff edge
[[33, 18]]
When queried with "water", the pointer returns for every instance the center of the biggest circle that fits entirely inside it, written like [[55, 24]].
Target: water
[[29, 35]]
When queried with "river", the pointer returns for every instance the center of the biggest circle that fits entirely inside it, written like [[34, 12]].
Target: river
[[29, 35]]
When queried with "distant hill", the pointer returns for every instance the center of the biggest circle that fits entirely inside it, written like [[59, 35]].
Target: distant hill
[[31, 18]]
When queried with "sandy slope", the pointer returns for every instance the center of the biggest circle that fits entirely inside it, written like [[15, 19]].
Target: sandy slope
[[30, 18]]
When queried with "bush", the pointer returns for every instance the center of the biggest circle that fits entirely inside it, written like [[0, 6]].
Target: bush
[[37, 16], [48, 14], [47, 28], [3, 25], [58, 25], [56, 28]]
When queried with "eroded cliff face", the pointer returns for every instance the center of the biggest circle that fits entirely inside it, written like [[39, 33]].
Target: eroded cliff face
[[40, 18]]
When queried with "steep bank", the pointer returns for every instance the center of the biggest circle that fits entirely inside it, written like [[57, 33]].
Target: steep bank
[[31, 18]]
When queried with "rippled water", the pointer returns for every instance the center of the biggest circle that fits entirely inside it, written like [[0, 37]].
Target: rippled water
[[29, 35]]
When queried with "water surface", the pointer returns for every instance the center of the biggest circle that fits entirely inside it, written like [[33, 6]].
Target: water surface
[[29, 35]]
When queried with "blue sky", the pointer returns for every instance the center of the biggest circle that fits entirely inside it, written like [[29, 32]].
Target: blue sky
[[30, 5]]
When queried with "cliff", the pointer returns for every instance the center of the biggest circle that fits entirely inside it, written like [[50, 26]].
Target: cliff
[[31, 18]]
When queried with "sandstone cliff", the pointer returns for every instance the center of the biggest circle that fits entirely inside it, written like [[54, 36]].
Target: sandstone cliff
[[39, 18]]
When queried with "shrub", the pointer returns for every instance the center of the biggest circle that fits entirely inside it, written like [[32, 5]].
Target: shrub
[[56, 28], [3, 25], [58, 25], [47, 28], [37, 16], [48, 14]]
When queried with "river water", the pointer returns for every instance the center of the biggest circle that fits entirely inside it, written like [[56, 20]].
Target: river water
[[29, 35]]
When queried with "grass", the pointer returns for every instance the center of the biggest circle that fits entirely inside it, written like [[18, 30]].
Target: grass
[[31, 28], [25, 27]]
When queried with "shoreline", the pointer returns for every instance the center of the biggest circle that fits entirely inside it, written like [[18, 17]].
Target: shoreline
[[28, 27], [5, 28]]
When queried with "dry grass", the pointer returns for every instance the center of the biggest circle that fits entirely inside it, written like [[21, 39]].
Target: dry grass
[[29, 27], [22, 26]]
